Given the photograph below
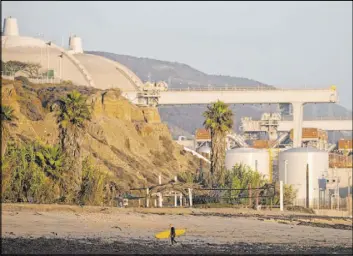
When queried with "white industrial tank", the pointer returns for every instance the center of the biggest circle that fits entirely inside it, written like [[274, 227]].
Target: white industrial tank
[[257, 159], [204, 149], [75, 44], [10, 27], [292, 170]]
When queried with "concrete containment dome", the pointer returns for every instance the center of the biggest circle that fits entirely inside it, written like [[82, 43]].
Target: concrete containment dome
[[109, 74], [257, 159], [292, 170], [37, 51], [73, 64]]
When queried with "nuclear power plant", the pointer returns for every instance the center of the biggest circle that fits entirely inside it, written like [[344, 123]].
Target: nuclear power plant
[[66, 64], [291, 142]]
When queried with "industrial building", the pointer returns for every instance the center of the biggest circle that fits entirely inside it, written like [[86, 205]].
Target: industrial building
[[284, 138], [61, 64]]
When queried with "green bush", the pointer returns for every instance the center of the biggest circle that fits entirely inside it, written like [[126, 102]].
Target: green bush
[[92, 187], [187, 177], [289, 194], [25, 81], [25, 180]]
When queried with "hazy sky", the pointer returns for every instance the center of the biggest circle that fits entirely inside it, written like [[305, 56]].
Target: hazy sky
[[285, 44]]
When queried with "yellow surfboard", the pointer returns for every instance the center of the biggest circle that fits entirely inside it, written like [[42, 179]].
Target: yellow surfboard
[[165, 234]]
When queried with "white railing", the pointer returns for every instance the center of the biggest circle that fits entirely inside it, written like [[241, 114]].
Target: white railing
[[7, 73], [45, 80], [38, 80], [318, 118], [243, 88], [197, 155]]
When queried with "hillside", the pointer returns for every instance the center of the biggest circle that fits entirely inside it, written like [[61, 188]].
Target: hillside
[[126, 142], [177, 75], [183, 120]]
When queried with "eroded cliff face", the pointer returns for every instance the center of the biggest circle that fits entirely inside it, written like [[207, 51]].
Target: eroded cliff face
[[124, 140]]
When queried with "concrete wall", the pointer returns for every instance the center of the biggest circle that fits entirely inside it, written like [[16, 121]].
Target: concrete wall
[[39, 55]]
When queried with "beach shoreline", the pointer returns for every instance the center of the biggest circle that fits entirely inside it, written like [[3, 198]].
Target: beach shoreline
[[74, 229]]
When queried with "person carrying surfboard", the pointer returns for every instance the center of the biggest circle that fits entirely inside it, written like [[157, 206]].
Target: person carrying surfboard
[[172, 235]]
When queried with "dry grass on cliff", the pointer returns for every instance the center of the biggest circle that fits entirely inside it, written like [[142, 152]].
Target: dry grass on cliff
[[127, 141]]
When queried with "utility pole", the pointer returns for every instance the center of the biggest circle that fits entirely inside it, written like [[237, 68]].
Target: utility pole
[[48, 44], [281, 195], [60, 64], [337, 196], [147, 197], [175, 199], [40, 35], [307, 186], [250, 198], [160, 199], [285, 171], [190, 197]]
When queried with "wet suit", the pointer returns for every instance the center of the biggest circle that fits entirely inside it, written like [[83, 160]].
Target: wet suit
[[172, 235]]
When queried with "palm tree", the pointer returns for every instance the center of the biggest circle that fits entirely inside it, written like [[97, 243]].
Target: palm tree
[[72, 118], [219, 120], [50, 158], [8, 120]]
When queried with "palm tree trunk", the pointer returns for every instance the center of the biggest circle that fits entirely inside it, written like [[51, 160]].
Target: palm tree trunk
[[218, 147], [3, 146], [5, 136], [71, 140]]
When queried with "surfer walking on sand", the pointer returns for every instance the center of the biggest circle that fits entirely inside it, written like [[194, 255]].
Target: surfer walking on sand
[[172, 235]]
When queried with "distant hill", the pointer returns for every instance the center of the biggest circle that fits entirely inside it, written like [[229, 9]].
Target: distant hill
[[185, 119], [177, 75]]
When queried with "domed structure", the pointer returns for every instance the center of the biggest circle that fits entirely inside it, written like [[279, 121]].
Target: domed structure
[[73, 64]]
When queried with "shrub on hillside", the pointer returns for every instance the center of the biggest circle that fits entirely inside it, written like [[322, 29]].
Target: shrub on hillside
[[25, 180], [25, 81], [92, 184]]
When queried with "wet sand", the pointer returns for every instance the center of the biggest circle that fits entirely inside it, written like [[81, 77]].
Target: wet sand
[[113, 231]]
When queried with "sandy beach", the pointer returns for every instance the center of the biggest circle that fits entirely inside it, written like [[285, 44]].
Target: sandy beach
[[73, 229]]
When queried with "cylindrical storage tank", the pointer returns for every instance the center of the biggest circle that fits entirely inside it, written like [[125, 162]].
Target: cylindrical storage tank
[[75, 44], [257, 159], [10, 27], [293, 164], [204, 151]]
